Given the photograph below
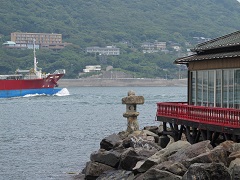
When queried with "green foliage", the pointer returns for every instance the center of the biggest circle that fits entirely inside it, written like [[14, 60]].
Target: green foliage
[[107, 22]]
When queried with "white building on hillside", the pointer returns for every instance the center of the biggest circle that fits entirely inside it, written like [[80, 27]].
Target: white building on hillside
[[149, 47], [108, 50], [94, 68]]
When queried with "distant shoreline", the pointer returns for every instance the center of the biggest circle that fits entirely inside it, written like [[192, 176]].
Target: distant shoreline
[[125, 82]]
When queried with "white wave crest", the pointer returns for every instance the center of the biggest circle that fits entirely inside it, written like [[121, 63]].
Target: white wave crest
[[63, 92], [33, 95]]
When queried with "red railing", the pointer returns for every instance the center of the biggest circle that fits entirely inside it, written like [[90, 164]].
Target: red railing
[[207, 115]]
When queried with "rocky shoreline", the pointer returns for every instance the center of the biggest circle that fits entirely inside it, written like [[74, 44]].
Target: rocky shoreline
[[148, 154], [130, 82], [142, 155]]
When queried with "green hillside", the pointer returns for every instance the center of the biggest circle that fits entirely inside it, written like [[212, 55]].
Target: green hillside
[[110, 22]]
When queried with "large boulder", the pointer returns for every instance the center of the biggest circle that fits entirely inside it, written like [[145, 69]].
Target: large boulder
[[227, 146], [129, 159], [161, 156], [191, 151], [145, 152], [173, 167], [153, 129], [236, 147], [116, 175], [146, 135], [152, 134], [207, 171], [217, 155], [110, 142], [153, 174], [234, 155], [234, 169], [143, 165], [110, 158], [95, 169], [138, 142], [131, 156], [141, 139]]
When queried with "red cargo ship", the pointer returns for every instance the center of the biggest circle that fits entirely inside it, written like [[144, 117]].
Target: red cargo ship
[[31, 81]]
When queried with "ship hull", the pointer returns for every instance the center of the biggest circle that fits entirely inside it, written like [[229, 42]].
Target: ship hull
[[24, 92], [22, 87]]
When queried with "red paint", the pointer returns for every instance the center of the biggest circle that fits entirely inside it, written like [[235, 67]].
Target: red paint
[[208, 115], [48, 82]]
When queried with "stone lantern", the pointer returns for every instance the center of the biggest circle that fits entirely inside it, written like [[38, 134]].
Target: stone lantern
[[131, 113]]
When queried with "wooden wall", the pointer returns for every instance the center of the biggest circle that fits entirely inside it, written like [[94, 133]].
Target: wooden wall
[[215, 64]]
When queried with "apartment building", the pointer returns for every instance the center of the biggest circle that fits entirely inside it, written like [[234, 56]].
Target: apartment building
[[93, 68], [43, 40], [108, 50], [149, 47]]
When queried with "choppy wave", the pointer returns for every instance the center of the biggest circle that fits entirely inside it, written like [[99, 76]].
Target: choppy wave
[[33, 95], [49, 137], [63, 92]]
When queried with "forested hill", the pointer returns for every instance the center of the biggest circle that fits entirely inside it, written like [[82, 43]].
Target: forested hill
[[93, 21], [110, 22]]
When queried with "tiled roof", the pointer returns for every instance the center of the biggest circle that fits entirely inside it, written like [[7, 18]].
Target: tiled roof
[[228, 40], [197, 57]]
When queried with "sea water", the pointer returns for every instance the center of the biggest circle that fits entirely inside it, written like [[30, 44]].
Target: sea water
[[52, 137]]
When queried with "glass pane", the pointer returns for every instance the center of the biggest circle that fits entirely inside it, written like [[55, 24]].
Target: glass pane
[[211, 88], [205, 88], [218, 88], [193, 90], [225, 88], [230, 89], [237, 89], [199, 87]]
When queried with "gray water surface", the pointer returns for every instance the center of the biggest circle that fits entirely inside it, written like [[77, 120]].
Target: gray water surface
[[52, 137]]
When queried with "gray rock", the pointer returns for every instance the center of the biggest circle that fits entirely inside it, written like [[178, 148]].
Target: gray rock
[[145, 144], [234, 155], [123, 134], [141, 139], [160, 156], [163, 154], [234, 169], [95, 169], [163, 141], [173, 141], [110, 158], [191, 151], [129, 159], [145, 152], [116, 175], [110, 142], [79, 176], [227, 146], [207, 171], [154, 174], [127, 142], [153, 129], [143, 165], [220, 155], [236, 147], [217, 155], [173, 167], [149, 133]]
